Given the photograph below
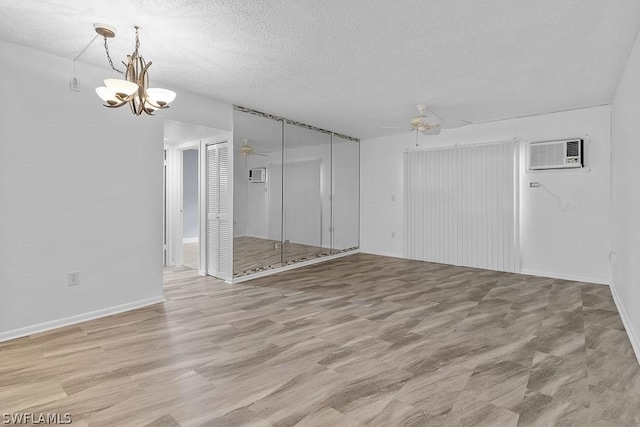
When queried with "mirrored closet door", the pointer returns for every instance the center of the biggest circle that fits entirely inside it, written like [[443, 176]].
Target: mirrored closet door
[[307, 194], [296, 192], [257, 222]]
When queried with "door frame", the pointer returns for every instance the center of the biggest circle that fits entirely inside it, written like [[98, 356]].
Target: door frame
[[174, 200]]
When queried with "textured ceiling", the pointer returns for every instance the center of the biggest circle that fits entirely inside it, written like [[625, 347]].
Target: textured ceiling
[[176, 132], [265, 135], [353, 66]]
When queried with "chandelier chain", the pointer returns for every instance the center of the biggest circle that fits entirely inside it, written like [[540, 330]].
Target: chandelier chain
[[135, 53], [106, 49]]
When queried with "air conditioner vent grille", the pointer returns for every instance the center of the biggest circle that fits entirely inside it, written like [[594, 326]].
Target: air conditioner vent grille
[[573, 148], [258, 175]]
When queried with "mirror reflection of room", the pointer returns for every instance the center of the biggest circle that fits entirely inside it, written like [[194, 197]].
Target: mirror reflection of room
[[257, 237], [307, 194], [285, 185]]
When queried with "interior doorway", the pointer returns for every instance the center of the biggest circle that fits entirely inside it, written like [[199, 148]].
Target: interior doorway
[[185, 237], [190, 225]]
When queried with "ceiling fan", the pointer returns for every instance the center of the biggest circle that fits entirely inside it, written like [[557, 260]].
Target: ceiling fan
[[429, 123], [248, 150]]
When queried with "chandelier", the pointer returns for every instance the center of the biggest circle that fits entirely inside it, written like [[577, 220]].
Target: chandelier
[[134, 88]]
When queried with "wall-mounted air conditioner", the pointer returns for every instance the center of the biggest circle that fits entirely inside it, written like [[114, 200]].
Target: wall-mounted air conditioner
[[564, 154], [258, 175]]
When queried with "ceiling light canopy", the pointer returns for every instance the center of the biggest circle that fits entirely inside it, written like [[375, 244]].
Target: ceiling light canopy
[[134, 88]]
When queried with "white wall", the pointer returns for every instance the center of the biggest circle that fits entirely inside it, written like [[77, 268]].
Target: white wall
[[571, 244], [80, 190], [190, 194], [258, 197], [346, 193], [240, 195], [626, 196]]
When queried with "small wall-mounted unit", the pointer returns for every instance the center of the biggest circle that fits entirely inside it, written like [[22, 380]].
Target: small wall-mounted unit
[[565, 154], [258, 175]]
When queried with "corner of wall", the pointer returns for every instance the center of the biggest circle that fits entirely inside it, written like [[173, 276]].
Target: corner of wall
[[634, 338]]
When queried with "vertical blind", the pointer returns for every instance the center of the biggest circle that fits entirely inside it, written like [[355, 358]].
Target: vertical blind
[[461, 206]]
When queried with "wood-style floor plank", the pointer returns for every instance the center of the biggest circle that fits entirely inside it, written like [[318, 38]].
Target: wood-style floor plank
[[360, 340]]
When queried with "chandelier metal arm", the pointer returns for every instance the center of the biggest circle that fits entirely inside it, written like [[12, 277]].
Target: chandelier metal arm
[[116, 105]]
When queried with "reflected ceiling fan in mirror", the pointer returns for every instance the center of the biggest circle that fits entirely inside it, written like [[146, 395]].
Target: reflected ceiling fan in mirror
[[429, 123], [247, 150]]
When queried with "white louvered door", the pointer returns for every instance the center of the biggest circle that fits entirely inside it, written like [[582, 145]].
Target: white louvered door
[[461, 206], [219, 226]]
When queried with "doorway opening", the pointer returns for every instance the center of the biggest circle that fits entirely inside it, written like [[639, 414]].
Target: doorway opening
[[190, 225], [185, 234]]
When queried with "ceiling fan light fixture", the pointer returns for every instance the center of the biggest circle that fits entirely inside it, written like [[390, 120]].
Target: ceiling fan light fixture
[[417, 121], [246, 149]]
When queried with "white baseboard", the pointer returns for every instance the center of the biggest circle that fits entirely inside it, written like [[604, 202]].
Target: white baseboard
[[190, 240], [290, 267], [382, 253], [79, 318], [571, 277], [631, 332], [596, 280]]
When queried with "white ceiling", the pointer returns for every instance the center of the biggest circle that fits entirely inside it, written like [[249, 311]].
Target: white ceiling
[[352, 66], [176, 132], [265, 135]]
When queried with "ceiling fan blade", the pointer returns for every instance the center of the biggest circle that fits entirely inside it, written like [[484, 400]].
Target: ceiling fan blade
[[430, 115], [398, 127], [433, 130], [452, 124]]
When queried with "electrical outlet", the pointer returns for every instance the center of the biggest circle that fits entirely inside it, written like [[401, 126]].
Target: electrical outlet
[[393, 197], [393, 234], [74, 278], [534, 184], [74, 84]]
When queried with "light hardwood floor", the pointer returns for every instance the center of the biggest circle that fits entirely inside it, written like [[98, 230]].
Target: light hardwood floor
[[360, 340], [190, 253], [251, 254]]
